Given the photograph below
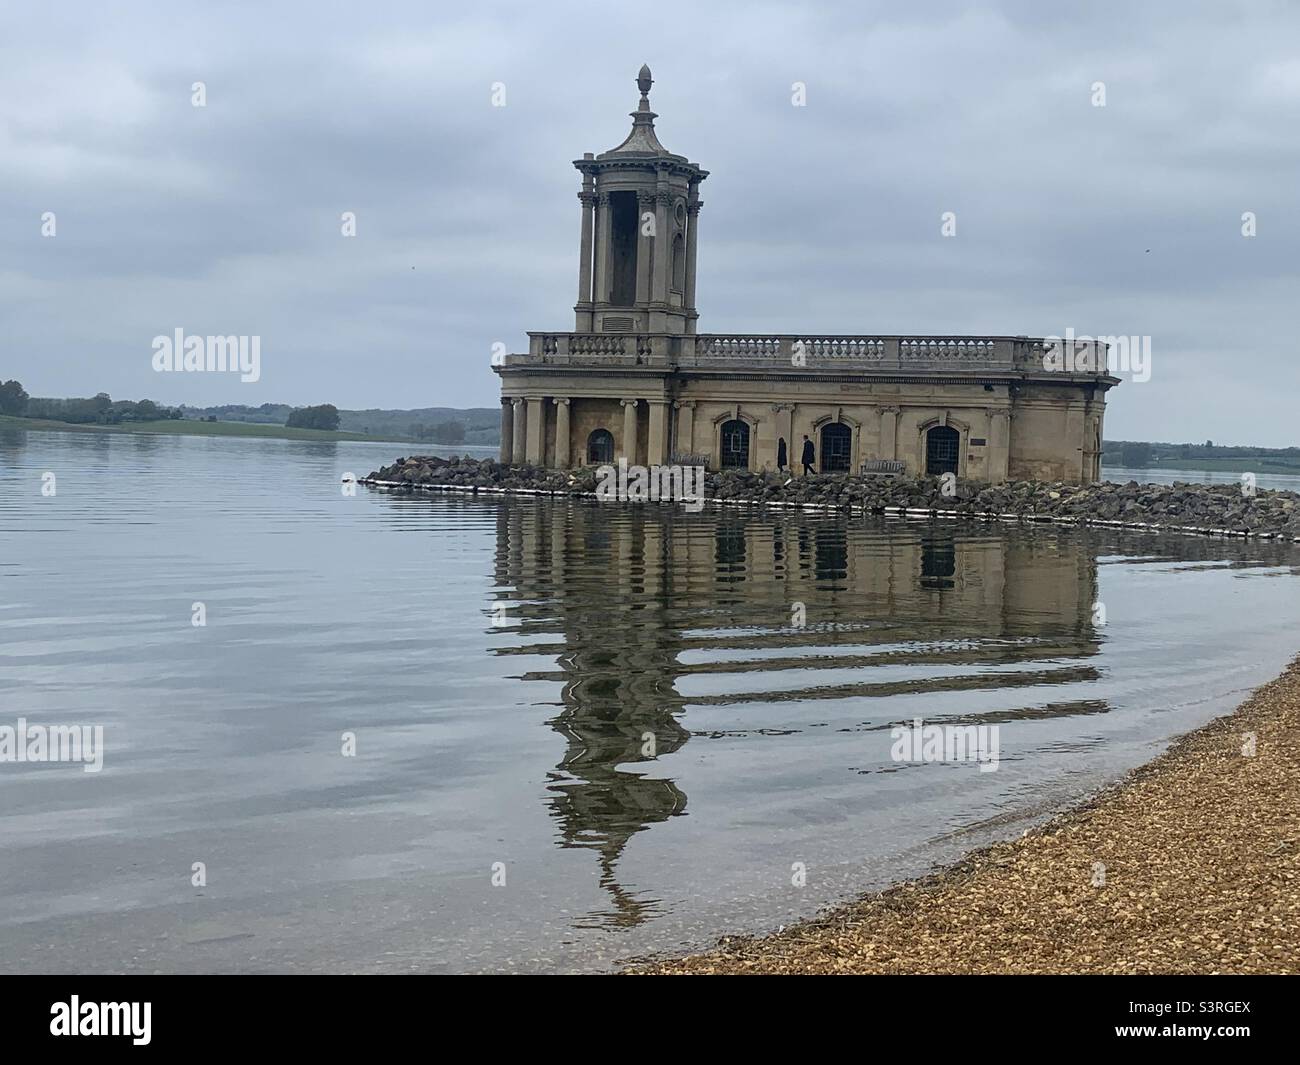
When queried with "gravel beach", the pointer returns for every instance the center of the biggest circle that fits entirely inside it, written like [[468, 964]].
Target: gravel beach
[[1191, 865]]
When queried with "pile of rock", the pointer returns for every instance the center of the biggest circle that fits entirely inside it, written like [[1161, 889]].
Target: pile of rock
[[1199, 507]]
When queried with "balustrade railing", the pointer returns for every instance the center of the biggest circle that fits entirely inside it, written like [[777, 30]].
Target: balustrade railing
[[721, 350]]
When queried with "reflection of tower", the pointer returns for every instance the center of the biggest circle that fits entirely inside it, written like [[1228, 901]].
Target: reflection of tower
[[602, 581], [617, 596]]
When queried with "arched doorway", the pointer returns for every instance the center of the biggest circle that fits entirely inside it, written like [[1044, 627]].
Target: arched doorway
[[600, 447], [942, 450], [837, 447], [735, 445]]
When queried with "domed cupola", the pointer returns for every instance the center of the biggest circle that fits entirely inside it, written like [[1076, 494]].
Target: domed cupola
[[640, 210]]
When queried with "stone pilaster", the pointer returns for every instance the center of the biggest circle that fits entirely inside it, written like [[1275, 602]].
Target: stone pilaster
[[645, 245], [889, 432], [684, 439], [536, 419], [662, 245], [785, 430], [997, 453], [657, 442]]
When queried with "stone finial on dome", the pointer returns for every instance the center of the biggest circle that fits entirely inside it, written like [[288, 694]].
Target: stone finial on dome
[[642, 140]]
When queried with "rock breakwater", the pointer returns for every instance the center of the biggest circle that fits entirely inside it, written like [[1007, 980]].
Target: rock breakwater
[[1225, 510]]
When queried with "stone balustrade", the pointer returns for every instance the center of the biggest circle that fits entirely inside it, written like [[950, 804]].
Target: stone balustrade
[[878, 353]]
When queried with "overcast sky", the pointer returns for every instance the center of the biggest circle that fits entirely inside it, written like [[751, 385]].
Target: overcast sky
[[225, 219]]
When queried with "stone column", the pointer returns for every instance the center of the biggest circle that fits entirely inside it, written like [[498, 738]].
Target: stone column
[[536, 419], [507, 431], [561, 433], [588, 198], [600, 278], [518, 443], [692, 245], [889, 432], [628, 449], [685, 438], [657, 444], [645, 201]]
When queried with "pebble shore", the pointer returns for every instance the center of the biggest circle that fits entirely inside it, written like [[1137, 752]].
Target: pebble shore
[[1189, 866]]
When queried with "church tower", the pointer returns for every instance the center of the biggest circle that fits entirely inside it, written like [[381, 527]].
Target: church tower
[[640, 211]]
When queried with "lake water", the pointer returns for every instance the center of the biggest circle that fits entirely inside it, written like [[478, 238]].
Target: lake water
[[608, 707]]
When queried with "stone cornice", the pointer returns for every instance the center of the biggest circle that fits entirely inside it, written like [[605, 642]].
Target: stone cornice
[[651, 164]]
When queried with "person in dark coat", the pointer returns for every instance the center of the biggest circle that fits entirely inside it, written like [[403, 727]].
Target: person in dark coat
[[780, 454], [809, 455]]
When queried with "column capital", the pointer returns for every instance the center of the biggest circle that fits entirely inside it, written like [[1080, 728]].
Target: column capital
[[778, 407], [659, 401], [890, 410], [560, 400], [998, 412], [684, 404], [588, 199], [629, 402], [517, 401], [694, 207]]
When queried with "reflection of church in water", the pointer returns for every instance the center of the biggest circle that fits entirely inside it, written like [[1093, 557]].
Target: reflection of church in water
[[620, 595]]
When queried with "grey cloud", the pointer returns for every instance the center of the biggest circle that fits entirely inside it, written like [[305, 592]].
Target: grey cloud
[[825, 217]]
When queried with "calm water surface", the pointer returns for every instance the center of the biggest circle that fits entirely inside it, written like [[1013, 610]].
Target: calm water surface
[[505, 667]]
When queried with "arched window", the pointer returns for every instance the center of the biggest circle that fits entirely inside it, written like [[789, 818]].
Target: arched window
[[600, 447], [942, 450], [837, 446], [679, 264], [735, 445]]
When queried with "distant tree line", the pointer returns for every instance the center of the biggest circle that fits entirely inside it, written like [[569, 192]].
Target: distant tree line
[[432, 424], [1138, 454], [100, 409]]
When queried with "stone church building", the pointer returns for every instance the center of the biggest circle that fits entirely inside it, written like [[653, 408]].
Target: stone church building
[[636, 379]]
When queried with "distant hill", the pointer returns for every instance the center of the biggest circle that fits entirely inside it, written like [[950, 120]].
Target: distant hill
[[480, 425]]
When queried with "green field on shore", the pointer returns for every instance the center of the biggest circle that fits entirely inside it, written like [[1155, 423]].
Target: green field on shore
[[183, 427]]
